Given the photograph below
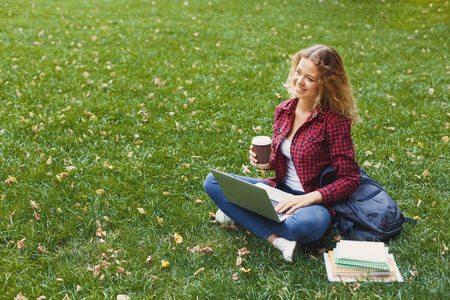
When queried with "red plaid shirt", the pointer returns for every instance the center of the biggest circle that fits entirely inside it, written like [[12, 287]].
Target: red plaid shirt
[[324, 139]]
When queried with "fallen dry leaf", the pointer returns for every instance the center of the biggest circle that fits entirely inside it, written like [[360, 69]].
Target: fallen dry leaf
[[97, 270], [243, 251], [34, 205], [21, 242], [20, 297], [336, 238], [198, 271], [105, 264], [123, 297], [426, 173], [206, 249], [194, 249], [232, 226], [120, 270], [141, 210], [235, 277], [41, 298], [99, 231], [149, 258], [245, 270], [245, 169], [238, 261], [61, 176]]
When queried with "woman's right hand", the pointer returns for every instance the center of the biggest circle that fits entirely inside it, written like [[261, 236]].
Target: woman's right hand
[[254, 160]]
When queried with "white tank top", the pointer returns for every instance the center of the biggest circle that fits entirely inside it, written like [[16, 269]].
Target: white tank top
[[291, 178]]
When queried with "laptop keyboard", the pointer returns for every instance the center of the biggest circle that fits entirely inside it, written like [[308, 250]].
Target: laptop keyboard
[[274, 203]]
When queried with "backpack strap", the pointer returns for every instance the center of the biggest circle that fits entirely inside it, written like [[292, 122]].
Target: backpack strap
[[328, 176]]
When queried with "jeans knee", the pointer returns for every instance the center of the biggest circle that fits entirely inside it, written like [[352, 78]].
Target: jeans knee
[[209, 183], [310, 228]]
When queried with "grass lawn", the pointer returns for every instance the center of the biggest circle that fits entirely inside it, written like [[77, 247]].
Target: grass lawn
[[113, 112]]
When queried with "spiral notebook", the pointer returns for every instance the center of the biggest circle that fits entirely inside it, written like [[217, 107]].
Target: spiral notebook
[[362, 254]]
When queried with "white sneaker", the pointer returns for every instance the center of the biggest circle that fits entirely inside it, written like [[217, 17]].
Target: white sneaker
[[223, 218], [290, 249]]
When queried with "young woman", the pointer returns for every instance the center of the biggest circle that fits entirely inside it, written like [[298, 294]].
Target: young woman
[[311, 131]]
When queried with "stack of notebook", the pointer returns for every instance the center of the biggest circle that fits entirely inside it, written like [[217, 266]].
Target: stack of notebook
[[360, 260]]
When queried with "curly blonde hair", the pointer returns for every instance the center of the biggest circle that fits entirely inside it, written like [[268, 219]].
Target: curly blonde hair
[[334, 85]]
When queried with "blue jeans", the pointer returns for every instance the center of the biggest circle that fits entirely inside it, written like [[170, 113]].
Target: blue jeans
[[305, 225]]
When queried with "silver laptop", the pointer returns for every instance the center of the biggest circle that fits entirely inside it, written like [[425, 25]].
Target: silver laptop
[[258, 198]]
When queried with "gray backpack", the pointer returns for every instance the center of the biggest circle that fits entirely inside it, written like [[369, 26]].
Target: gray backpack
[[369, 213]]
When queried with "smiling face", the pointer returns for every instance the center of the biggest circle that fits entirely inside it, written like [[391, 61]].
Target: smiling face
[[305, 80]]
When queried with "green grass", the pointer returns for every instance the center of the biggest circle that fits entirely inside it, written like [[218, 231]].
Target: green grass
[[75, 80]]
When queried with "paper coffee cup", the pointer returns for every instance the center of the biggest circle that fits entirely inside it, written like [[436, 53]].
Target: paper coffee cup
[[262, 149]]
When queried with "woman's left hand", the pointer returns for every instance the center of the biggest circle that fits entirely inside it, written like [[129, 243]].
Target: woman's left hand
[[294, 202]]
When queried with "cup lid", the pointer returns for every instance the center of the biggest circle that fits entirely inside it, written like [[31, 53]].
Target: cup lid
[[261, 140]]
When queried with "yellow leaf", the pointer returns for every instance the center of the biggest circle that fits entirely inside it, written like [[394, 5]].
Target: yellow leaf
[[141, 210], [164, 263], [245, 270], [10, 180], [178, 238], [130, 154], [426, 173], [419, 144], [160, 220]]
